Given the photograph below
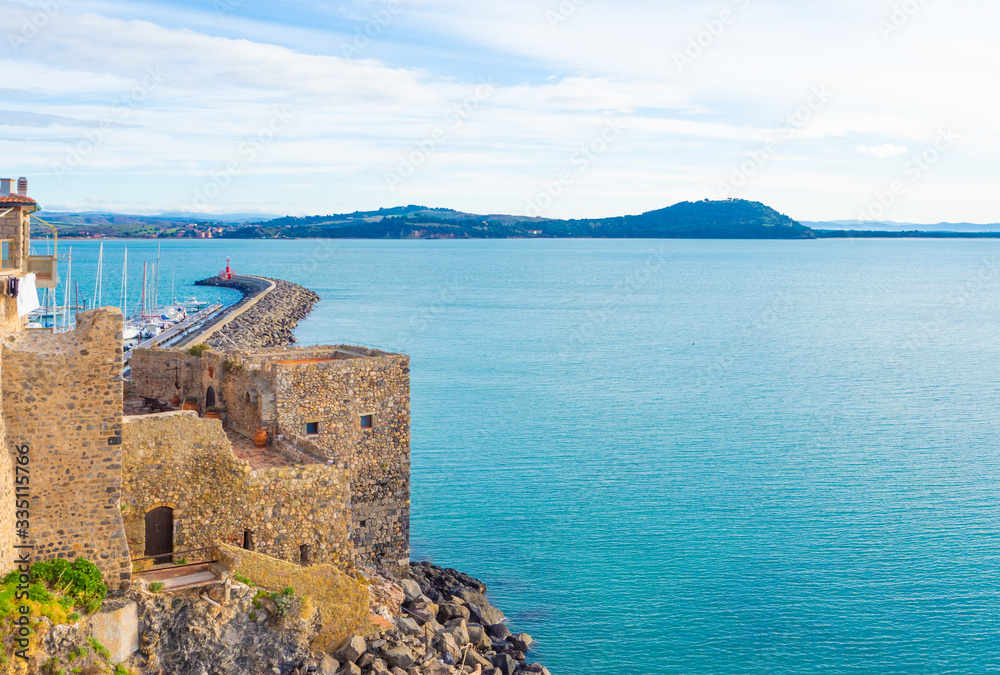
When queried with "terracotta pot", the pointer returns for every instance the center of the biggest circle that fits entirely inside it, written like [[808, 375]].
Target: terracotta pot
[[213, 416], [175, 401], [190, 406], [260, 438]]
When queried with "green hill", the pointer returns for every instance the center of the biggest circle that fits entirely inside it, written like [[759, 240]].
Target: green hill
[[730, 219]]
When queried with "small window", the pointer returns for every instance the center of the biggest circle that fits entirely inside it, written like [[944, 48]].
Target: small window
[[312, 428], [305, 555], [248, 540], [6, 254], [367, 421]]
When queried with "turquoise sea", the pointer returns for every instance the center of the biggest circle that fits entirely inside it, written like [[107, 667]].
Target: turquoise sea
[[684, 456]]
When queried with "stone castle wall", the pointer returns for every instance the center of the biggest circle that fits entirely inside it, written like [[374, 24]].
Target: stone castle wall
[[336, 394], [62, 397], [7, 509], [13, 226], [341, 600], [165, 373], [332, 386], [186, 463]]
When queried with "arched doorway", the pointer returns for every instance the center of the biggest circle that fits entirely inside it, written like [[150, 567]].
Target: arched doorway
[[160, 534], [210, 397]]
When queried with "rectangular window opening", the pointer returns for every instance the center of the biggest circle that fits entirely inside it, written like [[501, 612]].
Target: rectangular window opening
[[312, 428], [7, 254], [368, 421]]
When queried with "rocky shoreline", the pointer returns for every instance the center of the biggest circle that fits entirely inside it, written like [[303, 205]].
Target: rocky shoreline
[[270, 322], [447, 627]]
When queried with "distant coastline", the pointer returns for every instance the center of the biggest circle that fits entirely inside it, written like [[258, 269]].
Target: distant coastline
[[728, 219]]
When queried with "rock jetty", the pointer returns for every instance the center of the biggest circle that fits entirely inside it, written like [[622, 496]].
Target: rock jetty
[[447, 627], [268, 323]]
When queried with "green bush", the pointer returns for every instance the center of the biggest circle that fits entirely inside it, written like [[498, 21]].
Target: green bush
[[156, 586], [99, 649], [79, 580], [283, 602], [198, 350]]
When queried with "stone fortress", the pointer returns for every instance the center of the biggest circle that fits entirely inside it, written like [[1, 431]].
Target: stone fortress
[[286, 477], [331, 485]]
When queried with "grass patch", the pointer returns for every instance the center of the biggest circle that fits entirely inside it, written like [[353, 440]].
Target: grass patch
[[99, 649], [198, 350], [59, 589]]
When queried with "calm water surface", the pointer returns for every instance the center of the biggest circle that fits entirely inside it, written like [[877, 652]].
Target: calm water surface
[[684, 456]]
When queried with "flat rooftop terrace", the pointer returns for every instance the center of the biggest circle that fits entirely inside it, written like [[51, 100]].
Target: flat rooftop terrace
[[275, 455], [268, 457]]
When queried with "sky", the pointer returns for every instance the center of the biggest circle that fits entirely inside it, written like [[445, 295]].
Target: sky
[[859, 109]]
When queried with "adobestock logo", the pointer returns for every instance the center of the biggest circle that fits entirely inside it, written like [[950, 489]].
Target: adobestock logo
[[562, 13], [703, 40], [33, 25], [122, 108], [379, 21], [248, 152], [454, 118], [757, 159], [900, 15], [582, 160], [914, 169]]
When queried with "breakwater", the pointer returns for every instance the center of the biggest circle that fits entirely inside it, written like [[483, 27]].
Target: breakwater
[[276, 309]]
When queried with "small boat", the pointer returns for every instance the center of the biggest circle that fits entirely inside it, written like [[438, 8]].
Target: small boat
[[130, 332]]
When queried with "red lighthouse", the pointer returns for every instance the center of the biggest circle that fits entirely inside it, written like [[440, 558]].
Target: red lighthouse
[[227, 273]]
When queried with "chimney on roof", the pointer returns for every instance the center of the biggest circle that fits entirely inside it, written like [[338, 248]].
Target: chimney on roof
[[22, 186], [6, 186]]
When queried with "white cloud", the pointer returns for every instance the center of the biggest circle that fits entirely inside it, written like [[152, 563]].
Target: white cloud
[[354, 118]]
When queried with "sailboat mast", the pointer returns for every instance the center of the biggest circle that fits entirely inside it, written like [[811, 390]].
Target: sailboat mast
[[100, 276], [67, 295], [125, 286], [143, 306], [156, 277]]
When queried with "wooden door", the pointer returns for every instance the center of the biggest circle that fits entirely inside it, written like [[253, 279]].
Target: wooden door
[[160, 534]]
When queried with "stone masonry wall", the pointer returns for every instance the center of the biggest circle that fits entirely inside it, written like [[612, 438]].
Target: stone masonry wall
[[249, 398], [15, 226], [7, 509], [62, 396], [341, 600], [186, 463], [12, 226], [165, 373], [336, 394]]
